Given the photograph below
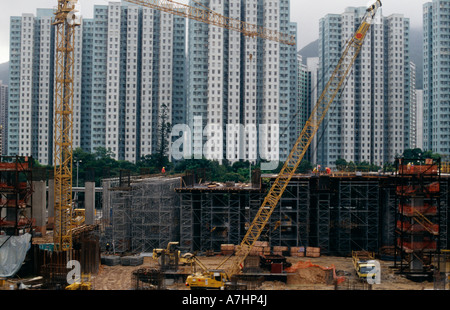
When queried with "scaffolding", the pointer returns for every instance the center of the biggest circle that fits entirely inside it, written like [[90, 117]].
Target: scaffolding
[[338, 214], [357, 215], [154, 213], [418, 218], [322, 194], [212, 214], [210, 218], [140, 214], [16, 195], [289, 223]]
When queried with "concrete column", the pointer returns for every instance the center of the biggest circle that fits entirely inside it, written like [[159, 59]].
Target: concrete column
[[106, 200], [39, 203], [51, 202], [89, 202]]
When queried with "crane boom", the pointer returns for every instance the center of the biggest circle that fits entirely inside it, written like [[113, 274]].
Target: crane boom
[[216, 19], [338, 77]]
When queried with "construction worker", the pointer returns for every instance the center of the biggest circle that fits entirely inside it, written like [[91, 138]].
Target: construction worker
[[163, 170]]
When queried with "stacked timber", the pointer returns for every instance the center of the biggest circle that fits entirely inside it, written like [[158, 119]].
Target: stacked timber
[[260, 248], [281, 250], [227, 249], [298, 251], [312, 252]]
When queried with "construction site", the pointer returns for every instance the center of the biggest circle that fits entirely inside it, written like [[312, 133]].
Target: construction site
[[153, 232], [284, 231]]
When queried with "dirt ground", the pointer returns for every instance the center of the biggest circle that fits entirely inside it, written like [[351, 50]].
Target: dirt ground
[[120, 277]]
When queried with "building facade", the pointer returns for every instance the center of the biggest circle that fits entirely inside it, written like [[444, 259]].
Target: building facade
[[436, 77], [369, 121], [129, 75], [242, 89], [3, 116]]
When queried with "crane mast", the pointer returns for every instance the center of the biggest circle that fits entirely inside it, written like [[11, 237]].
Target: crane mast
[[64, 67], [338, 77]]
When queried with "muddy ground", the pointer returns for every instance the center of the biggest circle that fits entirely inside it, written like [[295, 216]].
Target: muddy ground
[[120, 277]]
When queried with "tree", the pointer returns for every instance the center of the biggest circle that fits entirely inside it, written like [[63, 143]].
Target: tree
[[341, 164], [163, 138], [304, 167]]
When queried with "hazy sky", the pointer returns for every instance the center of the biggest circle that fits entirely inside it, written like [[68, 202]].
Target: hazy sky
[[306, 13]]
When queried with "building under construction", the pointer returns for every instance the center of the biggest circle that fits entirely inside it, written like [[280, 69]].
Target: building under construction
[[336, 212]]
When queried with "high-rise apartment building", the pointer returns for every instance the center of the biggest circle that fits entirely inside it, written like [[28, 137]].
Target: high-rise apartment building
[[134, 64], [436, 77], [304, 107], [312, 66], [3, 116], [30, 107], [419, 119], [129, 79], [241, 89], [369, 121]]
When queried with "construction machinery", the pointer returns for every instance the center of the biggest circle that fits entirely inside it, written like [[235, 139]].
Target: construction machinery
[[351, 51], [172, 256], [83, 284], [207, 279], [268, 261], [64, 81], [364, 263], [211, 279]]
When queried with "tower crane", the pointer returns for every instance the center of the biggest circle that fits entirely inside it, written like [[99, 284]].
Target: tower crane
[[65, 24], [64, 67]]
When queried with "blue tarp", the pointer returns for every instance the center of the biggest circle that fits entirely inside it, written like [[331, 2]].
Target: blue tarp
[[13, 250]]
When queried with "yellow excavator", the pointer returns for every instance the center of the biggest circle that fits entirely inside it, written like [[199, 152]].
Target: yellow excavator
[[172, 256], [350, 53]]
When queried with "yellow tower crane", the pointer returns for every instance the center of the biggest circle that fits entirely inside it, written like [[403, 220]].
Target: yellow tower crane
[[64, 66]]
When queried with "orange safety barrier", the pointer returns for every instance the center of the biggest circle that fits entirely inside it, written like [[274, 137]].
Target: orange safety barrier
[[304, 265], [421, 169], [432, 188], [426, 209], [409, 227], [417, 245], [14, 166], [22, 222], [13, 203], [22, 185]]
